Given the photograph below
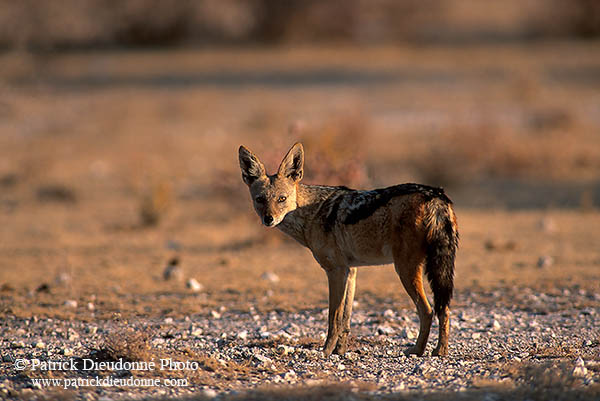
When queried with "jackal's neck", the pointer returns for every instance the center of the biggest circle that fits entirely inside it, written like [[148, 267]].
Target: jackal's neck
[[309, 200], [308, 195]]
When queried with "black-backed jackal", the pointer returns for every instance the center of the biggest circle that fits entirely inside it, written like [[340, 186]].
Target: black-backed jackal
[[411, 225]]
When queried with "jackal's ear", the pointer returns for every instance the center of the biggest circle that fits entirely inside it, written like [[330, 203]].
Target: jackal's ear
[[252, 168], [292, 165]]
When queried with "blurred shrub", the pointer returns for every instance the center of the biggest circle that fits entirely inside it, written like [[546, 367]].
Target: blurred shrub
[[580, 18], [154, 203], [93, 23], [556, 149]]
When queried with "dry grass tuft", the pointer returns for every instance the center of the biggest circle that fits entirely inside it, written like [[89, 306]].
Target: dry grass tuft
[[154, 203], [129, 345], [563, 350]]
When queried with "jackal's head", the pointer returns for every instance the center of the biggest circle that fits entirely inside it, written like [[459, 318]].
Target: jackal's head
[[274, 196]]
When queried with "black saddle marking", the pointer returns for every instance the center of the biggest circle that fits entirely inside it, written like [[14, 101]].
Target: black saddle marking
[[371, 201]]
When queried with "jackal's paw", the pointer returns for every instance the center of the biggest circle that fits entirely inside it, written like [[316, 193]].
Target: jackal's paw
[[414, 350], [440, 351], [340, 348], [328, 348]]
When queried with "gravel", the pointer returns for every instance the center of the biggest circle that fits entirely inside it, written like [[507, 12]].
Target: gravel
[[493, 343]]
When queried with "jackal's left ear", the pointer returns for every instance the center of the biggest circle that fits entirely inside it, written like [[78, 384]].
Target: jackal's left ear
[[252, 168], [292, 165]]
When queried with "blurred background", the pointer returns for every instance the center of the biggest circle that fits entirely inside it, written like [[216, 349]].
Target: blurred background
[[497, 101], [118, 116], [121, 198]]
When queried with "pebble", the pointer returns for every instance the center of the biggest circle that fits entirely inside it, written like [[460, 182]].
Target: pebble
[[173, 271], [194, 285], [195, 331], [580, 370], [271, 277], [284, 347], [545, 261], [209, 393], [70, 303], [385, 330]]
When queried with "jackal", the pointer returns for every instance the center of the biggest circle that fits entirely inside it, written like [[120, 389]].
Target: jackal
[[411, 225]]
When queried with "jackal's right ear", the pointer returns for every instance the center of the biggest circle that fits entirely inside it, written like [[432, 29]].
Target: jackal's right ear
[[292, 165], [252, 168]]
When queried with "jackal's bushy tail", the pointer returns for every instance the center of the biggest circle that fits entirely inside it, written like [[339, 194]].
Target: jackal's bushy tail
[[442, 243]]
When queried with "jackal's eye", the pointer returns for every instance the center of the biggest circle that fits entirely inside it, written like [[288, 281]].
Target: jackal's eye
[[281, 199], [260, 199]]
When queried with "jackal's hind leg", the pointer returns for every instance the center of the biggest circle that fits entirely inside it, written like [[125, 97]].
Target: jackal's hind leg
[[410, 272], [442, 346], [337, 278], [342, 342]]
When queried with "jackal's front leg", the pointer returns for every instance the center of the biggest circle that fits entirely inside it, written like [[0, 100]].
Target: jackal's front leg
[[337, 278], [342, 342]]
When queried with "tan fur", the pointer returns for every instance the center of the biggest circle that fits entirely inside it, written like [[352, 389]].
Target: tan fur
[[397, 231]]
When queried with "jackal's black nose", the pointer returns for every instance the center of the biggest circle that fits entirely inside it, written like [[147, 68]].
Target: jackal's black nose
[[268, 220]]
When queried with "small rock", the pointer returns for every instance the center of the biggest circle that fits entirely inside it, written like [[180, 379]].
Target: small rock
[[389, 313], [385, 330], [92, 330], [495, 325], [215, 314], [70, 303], [580, 370], [168, 320], [242, 335], [476, 336], [194, 285], [263, 359], [283, 334], [40, 345], [91, 306], [67, 351], [545, 261], [270, 276], [289, 375], [173, 270], [195, 331], [283, 349], [44, 287], [407, 334], [209, 392]]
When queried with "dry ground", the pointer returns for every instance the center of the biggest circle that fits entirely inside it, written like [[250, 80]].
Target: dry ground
[[113, 163]]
